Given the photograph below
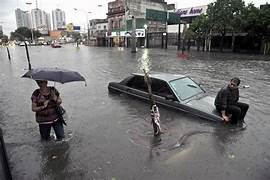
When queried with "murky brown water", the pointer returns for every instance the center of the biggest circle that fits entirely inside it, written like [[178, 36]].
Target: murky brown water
[[112, 134]]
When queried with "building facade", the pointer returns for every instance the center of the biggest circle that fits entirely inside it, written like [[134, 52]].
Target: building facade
[[116, 22], [121, 14], [59, 19], [98, 29], [98, 26], [1, 31], [41, 20], [23, 18]]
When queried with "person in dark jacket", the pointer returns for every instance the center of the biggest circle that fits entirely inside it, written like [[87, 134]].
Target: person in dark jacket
[[227, 103]]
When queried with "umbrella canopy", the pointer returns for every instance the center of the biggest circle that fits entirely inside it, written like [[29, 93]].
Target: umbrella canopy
[[54, 74]]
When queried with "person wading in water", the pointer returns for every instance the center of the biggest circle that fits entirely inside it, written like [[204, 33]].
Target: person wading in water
[[44, 102]]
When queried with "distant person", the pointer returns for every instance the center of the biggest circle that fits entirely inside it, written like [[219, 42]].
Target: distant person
[[227, 104], [44, 102]]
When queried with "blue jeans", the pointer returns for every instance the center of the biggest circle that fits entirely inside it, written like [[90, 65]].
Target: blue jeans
[[45, 130]]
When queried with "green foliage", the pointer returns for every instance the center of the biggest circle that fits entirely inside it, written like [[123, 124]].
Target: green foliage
[[3, 39], [36, 34], [75, 35], [232, 16], [257, 21], [200, 27], [23, 33], [225, 15]]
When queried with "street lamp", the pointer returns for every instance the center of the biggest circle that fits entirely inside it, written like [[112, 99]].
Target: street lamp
[[87, 23], [145, 34], [32, 24]]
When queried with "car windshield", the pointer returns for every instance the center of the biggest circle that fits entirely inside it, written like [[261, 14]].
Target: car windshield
[[185, 88]]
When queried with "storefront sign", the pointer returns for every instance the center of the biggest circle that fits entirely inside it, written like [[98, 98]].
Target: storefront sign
[[190, 12], [139, 33]]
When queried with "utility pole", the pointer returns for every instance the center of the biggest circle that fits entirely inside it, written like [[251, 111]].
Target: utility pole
[[125, 7], [179, 37], [133, 49]]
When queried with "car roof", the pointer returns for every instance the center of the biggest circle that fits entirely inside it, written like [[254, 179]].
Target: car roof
[[162, 76]]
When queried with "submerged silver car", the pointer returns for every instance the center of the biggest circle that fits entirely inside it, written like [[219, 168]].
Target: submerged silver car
[[174, 91]]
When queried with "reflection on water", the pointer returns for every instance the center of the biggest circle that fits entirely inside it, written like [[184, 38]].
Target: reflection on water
[[144, 62], [116, 129], [55, 159]]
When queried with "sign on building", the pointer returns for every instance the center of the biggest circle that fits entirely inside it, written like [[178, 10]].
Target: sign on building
[[70, 27], [139, 33], [192, 11]]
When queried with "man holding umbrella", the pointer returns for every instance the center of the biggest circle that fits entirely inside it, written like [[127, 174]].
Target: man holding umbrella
[[44, 102]]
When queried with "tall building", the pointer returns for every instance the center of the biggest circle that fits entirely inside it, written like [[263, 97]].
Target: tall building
[[1, 31], [23, 18], [59, 19], [41, 20]]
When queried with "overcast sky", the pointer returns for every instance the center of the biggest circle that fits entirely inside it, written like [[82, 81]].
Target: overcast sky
[[8, 20]]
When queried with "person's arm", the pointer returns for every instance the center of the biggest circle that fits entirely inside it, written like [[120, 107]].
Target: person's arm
[[237, 95], [56, 96], [223, 104], [36, 108], [57, 99]]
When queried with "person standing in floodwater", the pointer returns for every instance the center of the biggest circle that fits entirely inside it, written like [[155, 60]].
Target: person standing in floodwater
[[227, 103], [44, 102]]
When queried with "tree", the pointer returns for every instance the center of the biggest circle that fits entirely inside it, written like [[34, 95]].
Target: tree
[[256, 22], [225, 16], [264, 17], [75, 35], [23, 33], [200, 28], [36, 34], [4, 39]]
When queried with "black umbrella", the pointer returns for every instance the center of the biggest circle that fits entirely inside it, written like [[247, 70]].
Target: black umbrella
[[54, 74]]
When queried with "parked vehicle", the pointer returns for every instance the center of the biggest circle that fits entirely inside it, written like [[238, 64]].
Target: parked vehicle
[[55, 45], [174, 91]]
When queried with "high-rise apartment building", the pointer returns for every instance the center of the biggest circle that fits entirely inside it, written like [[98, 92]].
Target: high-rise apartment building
[[1, 31], [59, 19], [41, 20], [23, 18]]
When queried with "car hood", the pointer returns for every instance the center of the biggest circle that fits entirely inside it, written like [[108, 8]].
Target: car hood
[[205, 104]]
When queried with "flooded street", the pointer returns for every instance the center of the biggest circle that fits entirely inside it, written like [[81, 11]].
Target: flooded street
[[112, 134]]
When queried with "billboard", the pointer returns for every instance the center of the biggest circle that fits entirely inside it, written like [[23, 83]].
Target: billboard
[[192, 11], [70, 27]]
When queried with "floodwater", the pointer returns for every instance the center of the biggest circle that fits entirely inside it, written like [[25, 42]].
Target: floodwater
[[112, 135]]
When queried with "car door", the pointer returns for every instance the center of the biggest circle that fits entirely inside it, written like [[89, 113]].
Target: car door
[[136, 87], [163, 94]]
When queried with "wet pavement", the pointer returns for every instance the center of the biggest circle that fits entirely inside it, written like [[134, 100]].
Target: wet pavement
[[112, 135]]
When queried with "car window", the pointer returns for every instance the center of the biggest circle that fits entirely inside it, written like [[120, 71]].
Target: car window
[[160, 88], [137, 82], [186, 88]]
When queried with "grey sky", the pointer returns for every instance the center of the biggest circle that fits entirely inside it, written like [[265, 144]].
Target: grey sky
[[8, 21]]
